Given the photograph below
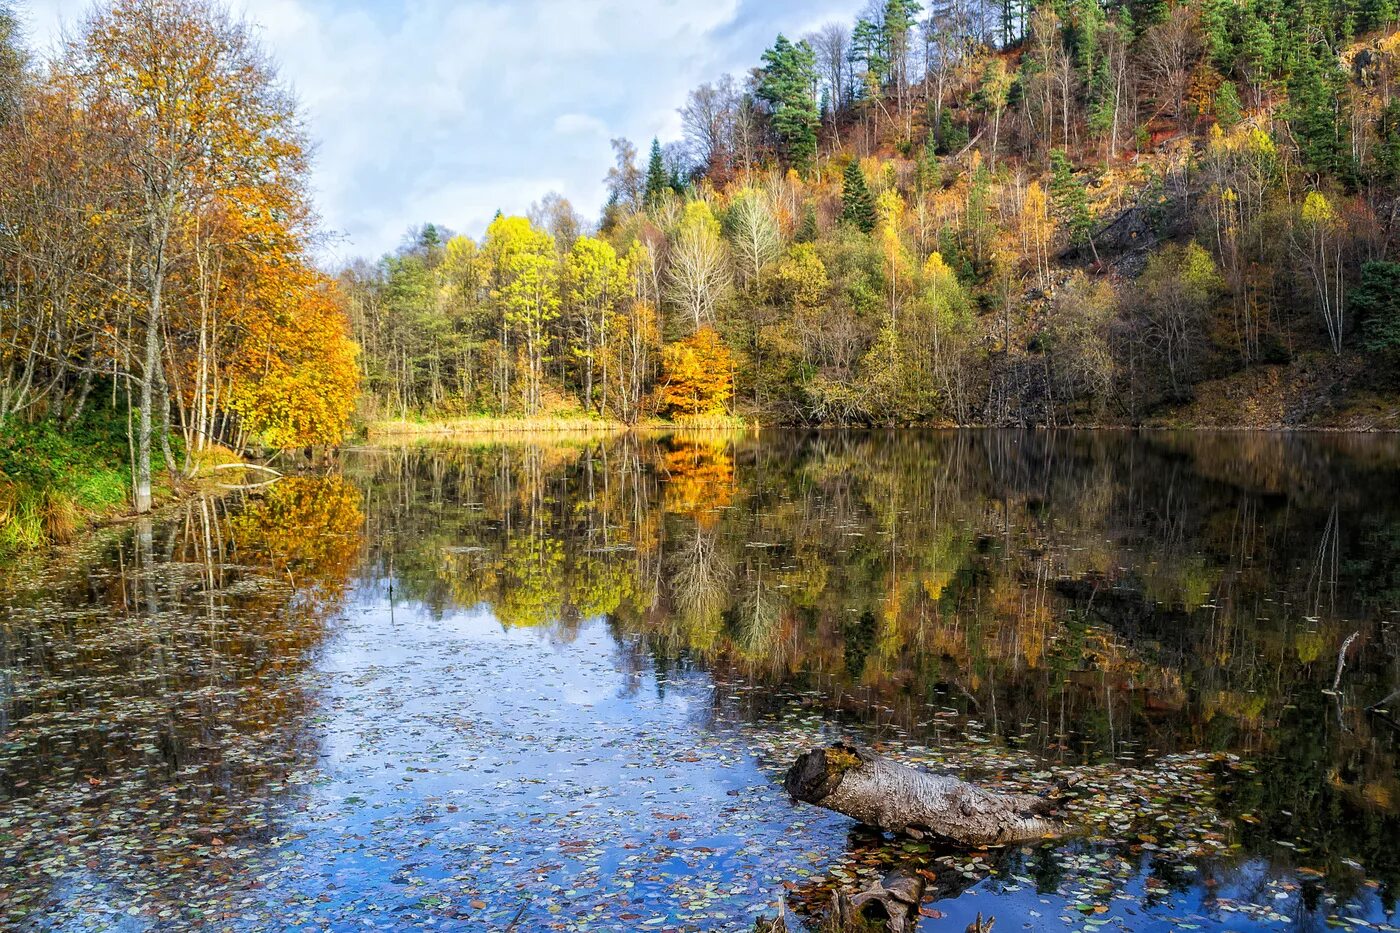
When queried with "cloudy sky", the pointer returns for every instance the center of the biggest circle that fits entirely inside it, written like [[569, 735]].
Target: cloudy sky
[[442, 111]]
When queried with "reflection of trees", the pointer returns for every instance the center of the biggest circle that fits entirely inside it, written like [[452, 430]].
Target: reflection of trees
[[153, 674], [1086, 595], [700, 580]]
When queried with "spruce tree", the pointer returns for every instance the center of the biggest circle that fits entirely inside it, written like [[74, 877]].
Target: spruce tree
[[1227, 105], [857, 204], [1388, 143], [658, 179], [1069, 198]]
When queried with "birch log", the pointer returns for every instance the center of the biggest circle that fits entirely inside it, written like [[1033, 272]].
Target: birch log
[[899, 799]]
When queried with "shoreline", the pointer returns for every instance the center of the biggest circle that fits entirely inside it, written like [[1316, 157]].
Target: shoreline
[[379, 432]]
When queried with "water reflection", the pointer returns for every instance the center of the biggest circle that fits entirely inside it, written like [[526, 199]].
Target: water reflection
[[1085, 598], [152, 715], [1129, 596], [547, 644]]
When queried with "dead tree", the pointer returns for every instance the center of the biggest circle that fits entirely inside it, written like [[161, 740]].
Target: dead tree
[[899, 799]]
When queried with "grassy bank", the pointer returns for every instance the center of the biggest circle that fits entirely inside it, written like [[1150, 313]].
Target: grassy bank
[[54, 482], [573, 425]]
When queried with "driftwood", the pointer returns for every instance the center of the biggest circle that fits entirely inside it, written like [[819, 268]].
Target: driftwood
[[899, 799], [894, 899]]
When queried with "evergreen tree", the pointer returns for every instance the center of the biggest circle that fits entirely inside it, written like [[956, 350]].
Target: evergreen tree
[[952, 137], [857, 204], [658, 179], [1215, 30], [785, 83], [1376, 14], [1388, 143], [1317, 90], [867, 46], [1227, 105], [1067, 194], [807, 230], [930, 174], [1376, 302]]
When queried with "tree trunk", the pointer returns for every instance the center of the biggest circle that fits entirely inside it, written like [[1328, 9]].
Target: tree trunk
[[894, 899], [897, 798]]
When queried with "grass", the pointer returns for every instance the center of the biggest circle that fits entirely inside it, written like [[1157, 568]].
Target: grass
[[55, 481], [561, 423], [487, 424]]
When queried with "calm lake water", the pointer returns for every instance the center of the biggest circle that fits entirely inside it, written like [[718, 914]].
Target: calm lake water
[[464, 686]]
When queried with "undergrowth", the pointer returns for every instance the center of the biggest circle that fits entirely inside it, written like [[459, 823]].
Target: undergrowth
[[55, 480]]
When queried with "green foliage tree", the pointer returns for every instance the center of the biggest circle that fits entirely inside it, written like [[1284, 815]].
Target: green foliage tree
[[1318, 112], [1376, 302], [1227, 105], [1388, 143], [785, 83], [1068, 196], [658, 180], [857, 203]]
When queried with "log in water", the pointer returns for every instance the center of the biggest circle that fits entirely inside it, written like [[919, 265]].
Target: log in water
[[899, 799]]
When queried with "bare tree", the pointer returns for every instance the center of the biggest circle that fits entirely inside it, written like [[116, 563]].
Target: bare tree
[[708, 120], [624, 179], [1169, 52], [832, 43]]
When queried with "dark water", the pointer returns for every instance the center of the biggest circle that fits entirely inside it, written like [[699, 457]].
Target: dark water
[[463, 686]]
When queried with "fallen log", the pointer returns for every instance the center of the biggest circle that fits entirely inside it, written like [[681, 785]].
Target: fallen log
[[896, 798], [894, 899]]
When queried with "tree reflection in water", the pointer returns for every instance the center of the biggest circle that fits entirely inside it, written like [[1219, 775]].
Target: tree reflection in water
[[153, 720], [1005, 602], [1089, 598]]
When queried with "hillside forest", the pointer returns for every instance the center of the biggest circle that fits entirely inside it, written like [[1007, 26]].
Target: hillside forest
[[1062, 214]]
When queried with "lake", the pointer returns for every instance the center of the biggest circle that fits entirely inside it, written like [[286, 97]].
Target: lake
[[557, 684]]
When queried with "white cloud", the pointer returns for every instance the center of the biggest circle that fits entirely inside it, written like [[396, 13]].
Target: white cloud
[[432, 110]]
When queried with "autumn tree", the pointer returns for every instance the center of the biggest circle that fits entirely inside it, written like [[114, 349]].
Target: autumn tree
[[595, 282], [525, 290], [699, 278], [697, 375], [194, 111]]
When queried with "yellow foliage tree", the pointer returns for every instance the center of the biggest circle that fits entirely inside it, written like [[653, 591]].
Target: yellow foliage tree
[[697, 375]]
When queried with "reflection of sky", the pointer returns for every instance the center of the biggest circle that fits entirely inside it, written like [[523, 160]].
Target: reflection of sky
[[461, 757], [472, 772]]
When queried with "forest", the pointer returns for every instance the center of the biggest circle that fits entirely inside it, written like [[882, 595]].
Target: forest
[[1064, 213], [159, 303], [1069, 213]]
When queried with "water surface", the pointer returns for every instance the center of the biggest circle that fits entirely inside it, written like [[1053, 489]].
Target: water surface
[[464, 685]]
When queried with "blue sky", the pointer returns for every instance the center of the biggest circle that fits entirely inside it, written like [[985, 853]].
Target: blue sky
[[432, 110]]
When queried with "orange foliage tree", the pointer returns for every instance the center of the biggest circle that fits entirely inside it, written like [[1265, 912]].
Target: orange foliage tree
[[697, 375]]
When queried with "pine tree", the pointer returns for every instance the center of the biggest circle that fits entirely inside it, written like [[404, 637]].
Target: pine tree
[[1317, 95], [785, 83], [1227, 105], [857, 204], [1376, 303], [1215, 30], [1388, 143], [658, 179], [930, 173]]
